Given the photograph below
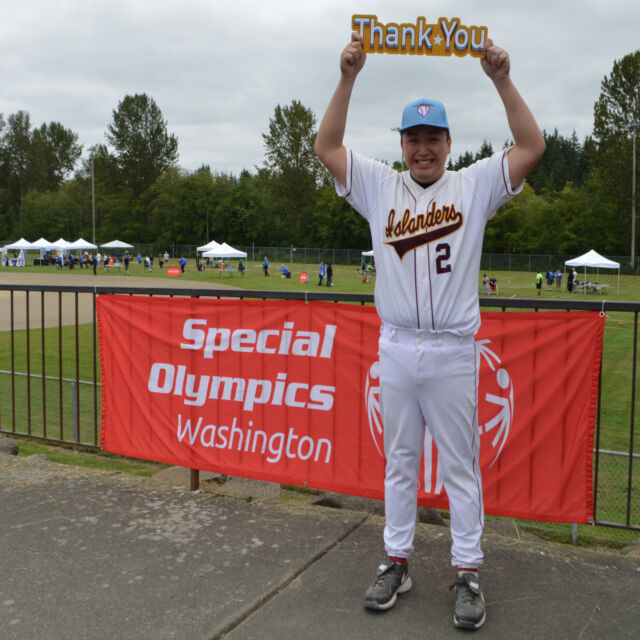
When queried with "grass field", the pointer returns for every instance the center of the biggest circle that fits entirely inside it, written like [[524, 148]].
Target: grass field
[[60, 356]]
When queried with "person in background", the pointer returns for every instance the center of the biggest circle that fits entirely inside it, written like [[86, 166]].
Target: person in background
[[493, 285], [549, 276], [328, 270], [320, 273], [539, 283], [576, 282]]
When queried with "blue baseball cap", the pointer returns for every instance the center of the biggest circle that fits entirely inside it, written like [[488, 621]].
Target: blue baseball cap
[[424, 112]]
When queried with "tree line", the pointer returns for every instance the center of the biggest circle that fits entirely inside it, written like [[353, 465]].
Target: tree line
[[578, 197]]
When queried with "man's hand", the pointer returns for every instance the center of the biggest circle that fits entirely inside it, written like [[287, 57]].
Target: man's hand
[[496, 63], [353, 57], [329, 140], [529, 142]]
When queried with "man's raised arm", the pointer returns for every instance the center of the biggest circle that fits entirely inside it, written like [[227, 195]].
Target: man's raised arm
[[529, 142], [329, 146]]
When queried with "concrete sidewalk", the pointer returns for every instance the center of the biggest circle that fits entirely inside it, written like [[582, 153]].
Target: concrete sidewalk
[[91, 554]]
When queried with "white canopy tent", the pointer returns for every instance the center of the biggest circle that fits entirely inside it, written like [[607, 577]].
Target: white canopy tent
[[42, 243], [368, 253], [116, 244], [209, 246], [232, 252], [594, 260], [20, 245], [60, 243], [224, 251], [81, 244]]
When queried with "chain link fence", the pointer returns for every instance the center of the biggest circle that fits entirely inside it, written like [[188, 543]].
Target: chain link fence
[[618, 477], [314, 255]]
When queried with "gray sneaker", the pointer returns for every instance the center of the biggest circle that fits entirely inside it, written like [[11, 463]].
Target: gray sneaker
[[393, 578], [470, 611]]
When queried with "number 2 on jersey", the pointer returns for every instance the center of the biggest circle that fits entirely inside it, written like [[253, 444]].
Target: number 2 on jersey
[[444, 253]]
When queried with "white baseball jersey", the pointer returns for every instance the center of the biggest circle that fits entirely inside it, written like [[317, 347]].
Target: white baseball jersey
[[427, 243]]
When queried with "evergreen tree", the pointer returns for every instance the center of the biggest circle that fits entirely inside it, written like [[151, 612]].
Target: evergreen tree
[[143, 146], [616, 125], [291, 163]]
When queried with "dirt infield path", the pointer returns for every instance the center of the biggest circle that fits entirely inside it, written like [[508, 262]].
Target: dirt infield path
[[85, 307]]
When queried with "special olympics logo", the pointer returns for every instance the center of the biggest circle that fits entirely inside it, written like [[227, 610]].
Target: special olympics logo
[[503, 418], [499, 401], [372, 399], [424, 110]]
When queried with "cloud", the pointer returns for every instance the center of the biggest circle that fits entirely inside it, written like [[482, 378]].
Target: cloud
[[218, 69]]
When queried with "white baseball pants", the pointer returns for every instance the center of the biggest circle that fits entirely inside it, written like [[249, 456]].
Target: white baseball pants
[[431, 377]]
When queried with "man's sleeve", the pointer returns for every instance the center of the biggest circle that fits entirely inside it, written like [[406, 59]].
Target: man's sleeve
[[492, 185], [363, 180]]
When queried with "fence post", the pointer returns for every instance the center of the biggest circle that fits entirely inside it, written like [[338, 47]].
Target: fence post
[[574, 533], [76, 429], [194, 480]]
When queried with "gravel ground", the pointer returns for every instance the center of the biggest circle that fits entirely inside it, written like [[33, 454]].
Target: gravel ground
[[50, 316]]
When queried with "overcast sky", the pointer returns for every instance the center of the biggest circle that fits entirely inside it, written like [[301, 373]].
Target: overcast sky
[[218, 68]]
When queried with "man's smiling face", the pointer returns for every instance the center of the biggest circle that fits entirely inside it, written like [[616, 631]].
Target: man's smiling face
[[425, 150]]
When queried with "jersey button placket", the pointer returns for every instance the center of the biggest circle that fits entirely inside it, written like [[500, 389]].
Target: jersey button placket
[[420, 355]]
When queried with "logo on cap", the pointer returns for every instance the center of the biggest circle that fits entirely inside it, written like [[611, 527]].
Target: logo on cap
[[423, 110]]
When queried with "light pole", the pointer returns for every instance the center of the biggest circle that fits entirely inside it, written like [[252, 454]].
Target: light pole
[[93, 203], [633, 206]]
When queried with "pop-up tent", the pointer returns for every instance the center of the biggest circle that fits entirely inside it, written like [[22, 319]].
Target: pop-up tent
[[594, 260], [224, 251], [61, 243], [42, 243], [81, 244], [116, 244], [209, 246], [20, 245]]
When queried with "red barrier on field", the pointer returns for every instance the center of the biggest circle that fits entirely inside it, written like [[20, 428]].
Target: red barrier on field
[[288, 392]]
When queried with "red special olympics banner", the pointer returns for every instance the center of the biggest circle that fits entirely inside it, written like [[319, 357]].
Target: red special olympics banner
[[289, 392]]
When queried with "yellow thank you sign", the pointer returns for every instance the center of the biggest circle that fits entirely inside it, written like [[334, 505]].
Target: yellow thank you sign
[[445, 37]]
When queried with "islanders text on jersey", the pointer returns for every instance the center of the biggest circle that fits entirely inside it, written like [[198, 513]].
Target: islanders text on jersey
[[437, 223]]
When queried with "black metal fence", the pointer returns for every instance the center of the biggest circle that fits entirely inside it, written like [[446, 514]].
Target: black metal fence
[[49, 374]]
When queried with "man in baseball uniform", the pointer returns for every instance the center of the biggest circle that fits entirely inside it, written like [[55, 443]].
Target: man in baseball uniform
[[427, 226]]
